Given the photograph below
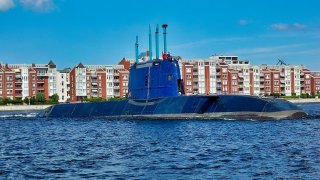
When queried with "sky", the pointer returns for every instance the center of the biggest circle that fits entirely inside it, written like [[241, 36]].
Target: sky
[[103, 31]]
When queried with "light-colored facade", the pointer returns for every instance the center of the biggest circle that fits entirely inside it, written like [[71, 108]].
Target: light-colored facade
[[229, 75], [63, 84]]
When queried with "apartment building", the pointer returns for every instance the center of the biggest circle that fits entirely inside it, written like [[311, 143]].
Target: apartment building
[[18, 81], [230, 75], [63, 84], [215, 75], [98, 81]]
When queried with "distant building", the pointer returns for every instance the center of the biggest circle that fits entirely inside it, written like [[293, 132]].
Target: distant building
[[18, 81], [229, 75], [215, 75], [63, 84]]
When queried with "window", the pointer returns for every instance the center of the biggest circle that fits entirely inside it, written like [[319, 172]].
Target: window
[[9, 85], [234, 82], [188, 70], [267, 76], [224, 82], [9, 91], [276, 76], [234, 76], [9, 78]]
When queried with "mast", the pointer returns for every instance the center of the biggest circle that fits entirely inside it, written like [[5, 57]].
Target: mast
[[150, 44], [137, 50], [157, 42], [164, 26]]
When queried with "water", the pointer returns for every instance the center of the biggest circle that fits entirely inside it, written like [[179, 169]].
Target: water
[[159, 149]]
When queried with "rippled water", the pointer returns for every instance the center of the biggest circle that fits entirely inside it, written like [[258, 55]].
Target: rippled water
[[160, 149]]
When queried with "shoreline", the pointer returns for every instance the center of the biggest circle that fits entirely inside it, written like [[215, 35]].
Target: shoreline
[[303, 100], [23, 107]]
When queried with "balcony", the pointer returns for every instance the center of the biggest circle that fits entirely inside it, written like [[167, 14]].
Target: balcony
[[42, 74]]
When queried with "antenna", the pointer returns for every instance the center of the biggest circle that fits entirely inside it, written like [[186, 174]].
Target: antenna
[[137, 50], [150, 44], [281, 62], [164, 26], [157, 42]]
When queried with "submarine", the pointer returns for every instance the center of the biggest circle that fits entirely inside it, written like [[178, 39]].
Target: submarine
[[155, 91]]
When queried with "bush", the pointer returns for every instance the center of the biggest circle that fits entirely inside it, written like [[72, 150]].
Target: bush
[[41, 98], [54, 98], [5, 101], [94, 99], [17, 101], [116, 98]]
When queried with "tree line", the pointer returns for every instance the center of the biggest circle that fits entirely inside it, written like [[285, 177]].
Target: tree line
[[38, 99]]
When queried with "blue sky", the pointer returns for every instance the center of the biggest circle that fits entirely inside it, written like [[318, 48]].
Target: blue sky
[[103, 31]]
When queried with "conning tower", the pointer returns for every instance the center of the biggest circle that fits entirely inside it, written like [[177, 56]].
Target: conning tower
[[156, 78]]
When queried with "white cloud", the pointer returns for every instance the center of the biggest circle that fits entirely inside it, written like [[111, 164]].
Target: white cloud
[[6, 5], [280, 26], [38, 5], [243, 22], [299, 26], [285, 27]]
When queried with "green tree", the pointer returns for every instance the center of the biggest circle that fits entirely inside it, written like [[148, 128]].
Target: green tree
[[17, 101], [2, 101], [41, 98], [54, 98], [33, 100], [26, 100]]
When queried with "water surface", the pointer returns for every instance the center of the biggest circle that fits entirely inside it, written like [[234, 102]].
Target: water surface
[[33, 147]]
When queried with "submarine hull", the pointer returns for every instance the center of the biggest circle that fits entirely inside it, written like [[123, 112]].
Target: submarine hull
[[183, 107]]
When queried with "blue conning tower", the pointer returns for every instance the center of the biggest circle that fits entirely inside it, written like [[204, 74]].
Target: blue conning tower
[[155, 78]]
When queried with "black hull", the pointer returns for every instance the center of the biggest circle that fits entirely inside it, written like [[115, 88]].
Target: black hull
[[183, 107]]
